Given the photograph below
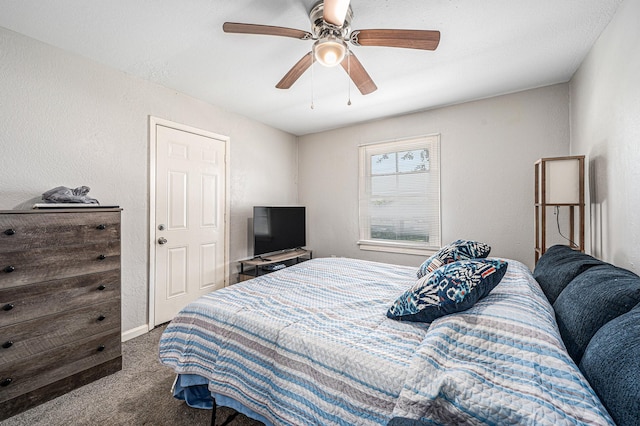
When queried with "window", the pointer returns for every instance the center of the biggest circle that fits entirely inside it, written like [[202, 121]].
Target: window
[[400, 196]]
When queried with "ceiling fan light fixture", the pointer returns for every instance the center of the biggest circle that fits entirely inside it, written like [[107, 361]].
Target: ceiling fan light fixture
[[329, 51], [335, 11]]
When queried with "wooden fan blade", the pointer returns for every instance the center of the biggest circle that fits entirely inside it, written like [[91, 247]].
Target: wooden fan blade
[[234, 27], [294, 73], [358, 74], [410, 39], [334, 11]]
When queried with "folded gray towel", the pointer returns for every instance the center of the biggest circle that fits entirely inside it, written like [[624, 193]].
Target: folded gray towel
[[62, 194]]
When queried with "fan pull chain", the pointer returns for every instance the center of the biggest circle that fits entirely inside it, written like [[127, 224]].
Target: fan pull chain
[[312, 62], [349, 74]]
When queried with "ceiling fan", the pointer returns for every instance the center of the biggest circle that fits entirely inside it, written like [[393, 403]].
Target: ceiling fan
[[331, 29]]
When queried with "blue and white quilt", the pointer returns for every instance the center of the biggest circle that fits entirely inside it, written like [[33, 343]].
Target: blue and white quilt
[[312, 345]]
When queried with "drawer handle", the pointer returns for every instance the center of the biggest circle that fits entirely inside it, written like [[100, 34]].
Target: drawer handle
[[101, 348], [102, 318], [9, 232], [8, 307], [101, 287], [101, 227], [7, 344], [9, 269], [102, 257], [6, 382]]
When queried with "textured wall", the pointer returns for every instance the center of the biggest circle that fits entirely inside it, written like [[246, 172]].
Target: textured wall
[[488, 148], [605, 126], [70, 121]]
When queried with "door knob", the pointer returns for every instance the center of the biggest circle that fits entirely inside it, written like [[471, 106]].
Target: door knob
[[162, 240]]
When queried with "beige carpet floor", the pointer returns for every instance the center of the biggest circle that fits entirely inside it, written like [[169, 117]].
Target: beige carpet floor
[[140, 394]]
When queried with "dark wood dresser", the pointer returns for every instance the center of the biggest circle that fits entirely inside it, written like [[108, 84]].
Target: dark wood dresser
[[59, 302]]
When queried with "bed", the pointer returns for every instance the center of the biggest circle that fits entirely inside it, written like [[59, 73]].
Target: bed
[[312, 345]]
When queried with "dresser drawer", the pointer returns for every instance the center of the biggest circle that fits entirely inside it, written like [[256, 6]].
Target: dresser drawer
[[27, 374], [30, 266], [59, 302], [27, 302], [22, 340], [31, 231]]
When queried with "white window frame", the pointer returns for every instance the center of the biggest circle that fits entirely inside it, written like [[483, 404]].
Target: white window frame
[[365, 242]]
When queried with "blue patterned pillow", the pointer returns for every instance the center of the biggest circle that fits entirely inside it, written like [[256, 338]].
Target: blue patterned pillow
[[457, 250], [453, 288]]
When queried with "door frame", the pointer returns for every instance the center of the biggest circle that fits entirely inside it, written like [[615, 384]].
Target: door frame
[[153, 122]]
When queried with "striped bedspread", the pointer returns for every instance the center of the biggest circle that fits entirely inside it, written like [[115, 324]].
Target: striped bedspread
[[311, 345]]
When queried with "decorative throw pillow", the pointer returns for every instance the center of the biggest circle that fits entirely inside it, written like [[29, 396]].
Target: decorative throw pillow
[[457, 250], [453, 288]]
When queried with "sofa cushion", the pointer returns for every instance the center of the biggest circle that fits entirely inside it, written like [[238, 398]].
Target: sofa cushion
[[591, 300], [457, 250], [558, 266], [452, 288], [611, 363]]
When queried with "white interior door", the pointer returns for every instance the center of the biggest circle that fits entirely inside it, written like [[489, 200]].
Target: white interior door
[[190, 222]]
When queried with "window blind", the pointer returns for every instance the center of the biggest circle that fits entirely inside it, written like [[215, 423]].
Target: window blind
[[399, 192]]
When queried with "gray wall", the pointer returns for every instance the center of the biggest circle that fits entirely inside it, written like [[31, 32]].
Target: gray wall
[[70, 121], [488, 148], [605, 126]]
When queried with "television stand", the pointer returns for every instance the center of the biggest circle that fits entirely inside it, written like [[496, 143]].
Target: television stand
[[252, 268]]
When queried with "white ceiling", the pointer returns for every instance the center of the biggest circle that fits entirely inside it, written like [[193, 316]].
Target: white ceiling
[[487, 48]]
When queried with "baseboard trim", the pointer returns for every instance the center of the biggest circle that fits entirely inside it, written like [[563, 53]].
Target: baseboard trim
[[135, 332]]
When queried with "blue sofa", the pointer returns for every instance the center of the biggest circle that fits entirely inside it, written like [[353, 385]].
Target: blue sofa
[[597, 308]]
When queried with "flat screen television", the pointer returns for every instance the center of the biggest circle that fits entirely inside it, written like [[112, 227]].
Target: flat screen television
[[278, 229]]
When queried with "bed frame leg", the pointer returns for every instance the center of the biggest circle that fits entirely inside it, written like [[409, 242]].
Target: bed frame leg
[[213, 415], [213, 412]]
